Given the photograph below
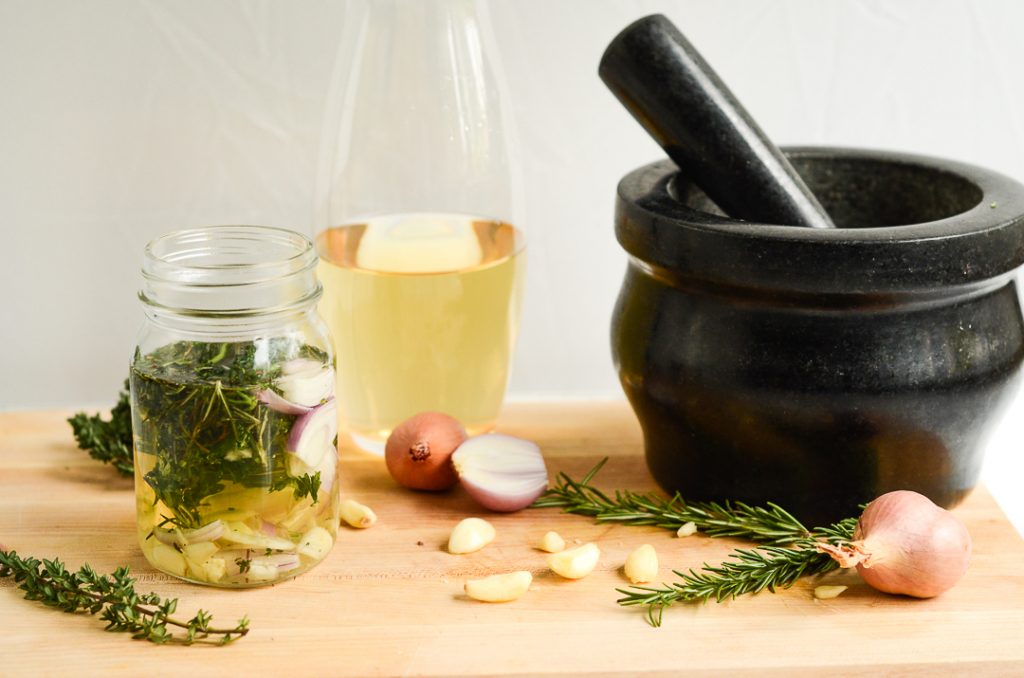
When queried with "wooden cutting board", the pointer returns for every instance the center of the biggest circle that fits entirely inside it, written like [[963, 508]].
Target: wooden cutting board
[[388, 600]]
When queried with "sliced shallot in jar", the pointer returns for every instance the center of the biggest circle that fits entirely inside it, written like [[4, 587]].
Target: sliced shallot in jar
[[277, 402]]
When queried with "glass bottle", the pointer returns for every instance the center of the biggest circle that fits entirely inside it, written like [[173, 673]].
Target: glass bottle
[[417, 218], [233, 410]]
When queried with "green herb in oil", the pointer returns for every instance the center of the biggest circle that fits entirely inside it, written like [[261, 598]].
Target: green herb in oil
[[199, 416]]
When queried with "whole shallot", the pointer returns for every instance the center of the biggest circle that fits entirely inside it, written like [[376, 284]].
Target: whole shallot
[[418, 452], [906, 544]]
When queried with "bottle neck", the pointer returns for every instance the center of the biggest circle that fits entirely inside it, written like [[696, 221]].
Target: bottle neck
[[229, 279], [417, 121], [420, 17]]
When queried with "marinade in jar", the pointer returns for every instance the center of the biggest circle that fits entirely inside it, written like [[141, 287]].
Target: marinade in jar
[[235, 459]]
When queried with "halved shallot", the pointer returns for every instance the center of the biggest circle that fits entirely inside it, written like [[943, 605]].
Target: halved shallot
[[500, 472]]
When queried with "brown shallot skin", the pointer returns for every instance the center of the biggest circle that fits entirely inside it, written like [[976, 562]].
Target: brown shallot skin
[[418, 452], [905, 544]]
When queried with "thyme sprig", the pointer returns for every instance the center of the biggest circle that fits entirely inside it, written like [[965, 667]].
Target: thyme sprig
[[787, 551], [110, 440], [146, 616]]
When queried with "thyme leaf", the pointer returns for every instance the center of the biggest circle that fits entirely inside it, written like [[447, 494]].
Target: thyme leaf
[[306, 486]]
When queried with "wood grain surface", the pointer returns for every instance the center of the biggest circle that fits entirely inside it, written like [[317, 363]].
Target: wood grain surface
[[389, 601]]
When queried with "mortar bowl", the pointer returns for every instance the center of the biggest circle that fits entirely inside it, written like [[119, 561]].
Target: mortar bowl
[[820, 368]]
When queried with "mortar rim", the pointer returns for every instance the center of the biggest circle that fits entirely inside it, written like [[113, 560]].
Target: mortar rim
[[978, 244]]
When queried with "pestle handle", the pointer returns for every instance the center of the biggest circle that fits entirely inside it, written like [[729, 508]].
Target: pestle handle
[[663, 81]]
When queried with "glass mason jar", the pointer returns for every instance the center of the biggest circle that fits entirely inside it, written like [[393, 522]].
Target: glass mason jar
[[233, 410]]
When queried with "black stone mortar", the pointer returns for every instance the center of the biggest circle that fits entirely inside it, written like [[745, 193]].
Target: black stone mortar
[[820, 368]]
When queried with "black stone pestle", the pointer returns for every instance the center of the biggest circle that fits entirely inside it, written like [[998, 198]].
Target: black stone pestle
[[663, 81]]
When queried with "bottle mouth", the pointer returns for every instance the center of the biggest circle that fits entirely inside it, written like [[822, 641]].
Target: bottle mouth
[[230, 271]]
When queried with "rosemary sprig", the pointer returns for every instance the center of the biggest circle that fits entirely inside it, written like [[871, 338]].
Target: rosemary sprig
[[746, 571], [768, 525], [787, 552], [113, 597]]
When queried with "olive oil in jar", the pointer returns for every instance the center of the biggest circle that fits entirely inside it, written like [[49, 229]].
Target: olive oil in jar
[[424, 310]]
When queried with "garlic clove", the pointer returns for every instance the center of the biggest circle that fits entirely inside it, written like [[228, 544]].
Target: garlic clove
[[575, 563], [551, 542], [642, 565], [167, 559], [356, 514], [316, 543], [300, 365], [307, 386], [471, 534], [501, 472], [499, 588], [686, 529], [828, 592]]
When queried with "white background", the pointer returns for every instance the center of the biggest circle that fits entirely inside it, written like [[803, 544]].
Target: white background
[[121, 120]]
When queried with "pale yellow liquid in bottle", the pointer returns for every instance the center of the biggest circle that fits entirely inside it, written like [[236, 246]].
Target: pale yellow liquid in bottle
[[424, 310]]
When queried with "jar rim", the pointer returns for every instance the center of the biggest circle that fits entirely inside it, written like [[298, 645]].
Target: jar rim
[[303, 246], [230, 271]]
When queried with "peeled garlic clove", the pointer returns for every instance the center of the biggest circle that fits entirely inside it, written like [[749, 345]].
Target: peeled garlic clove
[[642, 565], [167, 559], [686, 529], [308, 386], [500, 472], [828, 592], [575, 563], [316, 543], [300, 365], [499, 588], [356, 514], [551, 542], [471, 534]]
